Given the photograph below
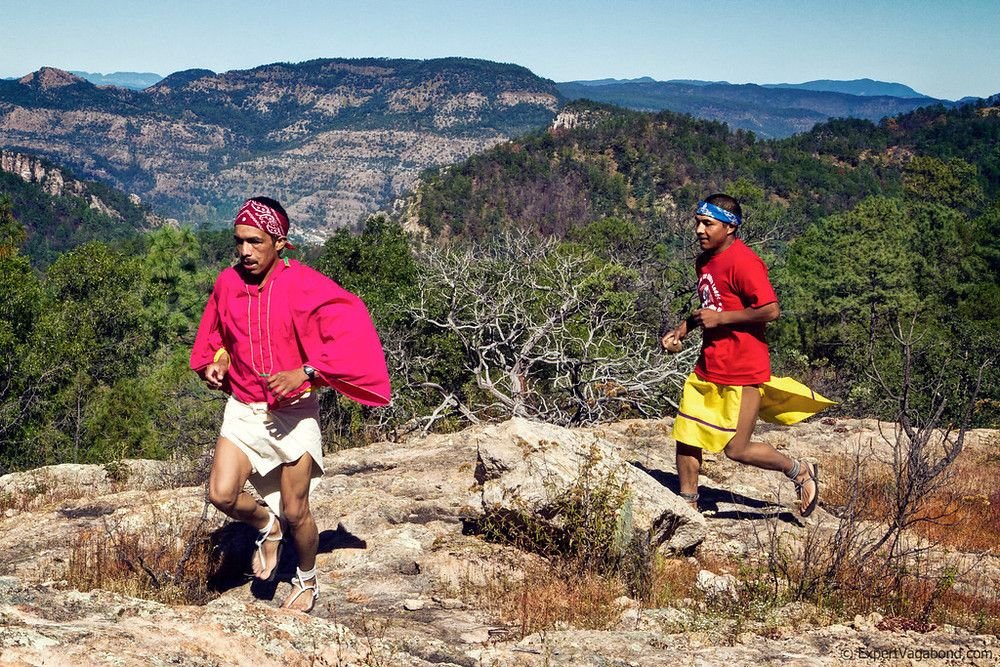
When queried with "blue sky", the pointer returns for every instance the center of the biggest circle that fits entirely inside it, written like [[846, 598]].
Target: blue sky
[[944, 49]]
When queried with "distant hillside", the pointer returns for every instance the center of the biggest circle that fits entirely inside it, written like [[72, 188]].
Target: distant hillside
[[600, 161], [867, 87], [772, 112], [333, 139], [133, 80], [61, 211], [863, 87]]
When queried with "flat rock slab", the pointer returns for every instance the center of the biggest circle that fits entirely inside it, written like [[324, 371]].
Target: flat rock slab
[[394, 524]]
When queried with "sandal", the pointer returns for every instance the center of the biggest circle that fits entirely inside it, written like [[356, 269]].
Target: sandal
[[813, 470], [299, 582], [265, 536]]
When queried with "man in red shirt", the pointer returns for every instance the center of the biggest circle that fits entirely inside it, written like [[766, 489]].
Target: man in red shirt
[[273, 330], [721, 399]]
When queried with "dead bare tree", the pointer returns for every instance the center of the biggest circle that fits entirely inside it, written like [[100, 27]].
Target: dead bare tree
[[546, 332], [873, 548], [923, 446]]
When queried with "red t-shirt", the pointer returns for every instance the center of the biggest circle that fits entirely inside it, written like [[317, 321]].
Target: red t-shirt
[[734, 279]]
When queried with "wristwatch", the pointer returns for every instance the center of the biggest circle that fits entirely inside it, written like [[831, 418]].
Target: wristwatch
[[309, 371]]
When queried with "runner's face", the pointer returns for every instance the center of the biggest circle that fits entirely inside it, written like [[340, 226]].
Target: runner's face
[[256, 250], [712, 234]]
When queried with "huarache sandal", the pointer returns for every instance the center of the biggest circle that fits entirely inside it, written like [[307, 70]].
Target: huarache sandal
[[299, 582], [265, 536], [813, 470]]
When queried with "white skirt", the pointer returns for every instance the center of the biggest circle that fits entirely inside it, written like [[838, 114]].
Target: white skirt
[[271, 438]]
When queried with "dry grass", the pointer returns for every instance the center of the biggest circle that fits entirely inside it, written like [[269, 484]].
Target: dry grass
[[968, 508], [964, 514], [869, 492], [977, 613], [670, 579], [41, 494], [961, 515], [163, 563], [548, 598]]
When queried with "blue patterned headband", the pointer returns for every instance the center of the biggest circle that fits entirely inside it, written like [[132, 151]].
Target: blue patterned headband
[[720, 214]]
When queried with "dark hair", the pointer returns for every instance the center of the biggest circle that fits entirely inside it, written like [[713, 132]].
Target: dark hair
[[272, 203], [726, 202]]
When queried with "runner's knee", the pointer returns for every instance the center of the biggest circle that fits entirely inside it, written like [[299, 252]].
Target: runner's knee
[[736, 450], [296, 512], [223, 497]]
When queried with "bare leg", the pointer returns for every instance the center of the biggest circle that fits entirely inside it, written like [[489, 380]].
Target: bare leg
[[760, 454], [230, 470], [688, 466], [295, 478]]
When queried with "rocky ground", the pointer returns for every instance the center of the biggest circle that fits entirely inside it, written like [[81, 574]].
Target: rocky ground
[[402, 568]]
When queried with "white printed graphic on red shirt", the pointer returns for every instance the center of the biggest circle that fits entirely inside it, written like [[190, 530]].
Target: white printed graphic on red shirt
[[709, 293]]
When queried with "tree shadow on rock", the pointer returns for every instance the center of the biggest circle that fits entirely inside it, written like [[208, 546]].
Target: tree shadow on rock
[[723, 504], [234, 549]]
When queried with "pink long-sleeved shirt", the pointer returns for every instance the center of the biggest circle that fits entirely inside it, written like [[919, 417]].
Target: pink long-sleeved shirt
[[298, 316]]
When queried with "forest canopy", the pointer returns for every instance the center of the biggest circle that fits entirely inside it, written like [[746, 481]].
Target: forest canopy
[[544, 269]]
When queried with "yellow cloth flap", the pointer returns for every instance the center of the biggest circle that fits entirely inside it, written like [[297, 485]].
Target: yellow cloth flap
[[786, 401]]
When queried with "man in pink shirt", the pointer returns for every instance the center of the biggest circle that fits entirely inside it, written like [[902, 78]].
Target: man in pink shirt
[[273, 330]]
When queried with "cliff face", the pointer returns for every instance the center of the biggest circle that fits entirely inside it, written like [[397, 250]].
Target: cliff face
[[60, 210], [54, 181], [333, 139]]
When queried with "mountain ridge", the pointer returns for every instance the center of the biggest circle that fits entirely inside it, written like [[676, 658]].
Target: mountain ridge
[[768, 112], [131, 80], [337, 139], [333, 138], [861, 87], [601, 161]]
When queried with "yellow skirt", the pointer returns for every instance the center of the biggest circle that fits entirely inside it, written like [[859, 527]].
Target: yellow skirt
[[709, 412]]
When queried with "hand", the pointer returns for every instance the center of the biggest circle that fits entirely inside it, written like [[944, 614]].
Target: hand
[[707, 318], [283, 383], [215, 372], [671, 341]]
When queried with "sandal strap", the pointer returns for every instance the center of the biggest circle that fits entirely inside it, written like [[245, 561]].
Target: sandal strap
[[810, 469], [299, 580], [265, 536], [265, 532]]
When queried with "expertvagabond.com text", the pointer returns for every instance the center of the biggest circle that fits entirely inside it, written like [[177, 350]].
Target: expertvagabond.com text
[[957, 654]]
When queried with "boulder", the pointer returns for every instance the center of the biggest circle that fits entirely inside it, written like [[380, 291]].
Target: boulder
[[527, 468]]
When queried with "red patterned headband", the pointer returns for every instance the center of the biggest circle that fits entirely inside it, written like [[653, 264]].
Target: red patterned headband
[[264, 218]]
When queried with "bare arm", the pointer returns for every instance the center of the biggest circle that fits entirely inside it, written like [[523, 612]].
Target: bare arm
[[709, 319]]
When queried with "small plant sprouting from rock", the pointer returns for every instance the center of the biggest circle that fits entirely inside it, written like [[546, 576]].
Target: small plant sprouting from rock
[[587, 529]]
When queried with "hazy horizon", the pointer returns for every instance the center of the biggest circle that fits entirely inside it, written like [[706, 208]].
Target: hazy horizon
[[939, 50]]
